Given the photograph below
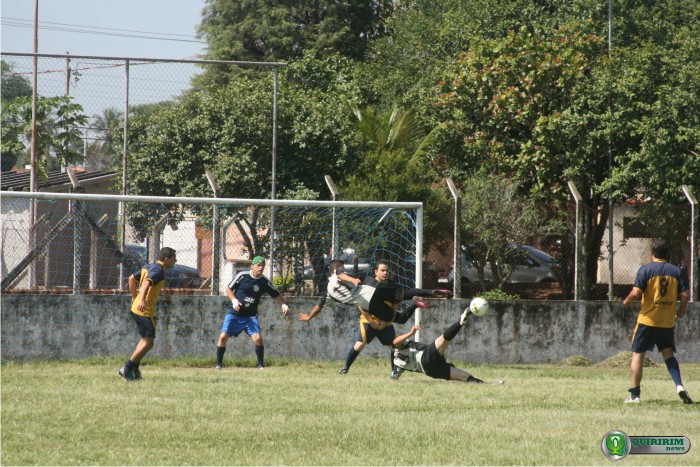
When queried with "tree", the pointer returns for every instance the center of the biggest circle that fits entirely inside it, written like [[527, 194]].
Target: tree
[[13, 85], [270, 30], [393, 167], [495, 215], [57, 129], [229, 131], [105, 153]]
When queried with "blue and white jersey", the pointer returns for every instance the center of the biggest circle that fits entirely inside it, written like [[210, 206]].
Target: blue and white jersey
[[248, 290]]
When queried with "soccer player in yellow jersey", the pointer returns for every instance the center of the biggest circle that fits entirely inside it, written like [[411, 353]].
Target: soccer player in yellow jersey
[[145, 286], [660, 285]]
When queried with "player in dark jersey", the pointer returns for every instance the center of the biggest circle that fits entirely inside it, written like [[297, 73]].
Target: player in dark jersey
[[378, 300], [429, 359], [660, 286], [245, 291], [145, 286]]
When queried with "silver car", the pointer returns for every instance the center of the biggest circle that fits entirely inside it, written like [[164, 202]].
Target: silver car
[[534, 266]]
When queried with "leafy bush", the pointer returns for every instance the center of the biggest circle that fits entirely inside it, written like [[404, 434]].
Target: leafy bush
[[497, 294]]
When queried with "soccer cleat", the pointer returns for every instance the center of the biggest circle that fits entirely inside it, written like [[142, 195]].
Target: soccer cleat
[[217, 367], [126, 374], [471, 379], [465, 315], [683, 394], [421, 304], [137, 374], [343, 371], [632, 400], [442, 293], [261, 367], [395, 374]]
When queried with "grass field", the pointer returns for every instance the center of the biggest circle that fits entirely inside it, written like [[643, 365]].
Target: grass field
[[301, 413]]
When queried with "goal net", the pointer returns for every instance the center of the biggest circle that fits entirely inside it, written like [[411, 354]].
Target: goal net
[[77, 243]]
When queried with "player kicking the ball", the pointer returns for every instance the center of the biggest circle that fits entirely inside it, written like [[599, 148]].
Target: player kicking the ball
[[430, 358]]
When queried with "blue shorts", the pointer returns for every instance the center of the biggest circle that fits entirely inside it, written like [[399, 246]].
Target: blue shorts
[[145, 325], [646, 337], [367, 333], [234, 324]]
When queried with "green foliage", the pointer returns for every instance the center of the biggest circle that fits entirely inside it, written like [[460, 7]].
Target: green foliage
[[497, 294], [504, 99], [57, 129], [13, 86], [494, 216], [282, 283], [393, 167], [270, 30]]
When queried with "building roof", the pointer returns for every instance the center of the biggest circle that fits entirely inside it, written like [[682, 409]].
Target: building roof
[[56, 181]]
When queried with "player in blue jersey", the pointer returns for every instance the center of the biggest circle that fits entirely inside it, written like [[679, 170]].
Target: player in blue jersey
[[660, 286], [145, 286], [245, 291]]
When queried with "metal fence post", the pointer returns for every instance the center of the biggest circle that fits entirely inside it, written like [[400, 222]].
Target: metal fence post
[[694, 253], [457, 249], [578, 253], [216, 236], [335, 243]]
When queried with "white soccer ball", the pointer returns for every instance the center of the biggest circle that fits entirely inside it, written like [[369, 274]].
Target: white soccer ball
[[479, 306]]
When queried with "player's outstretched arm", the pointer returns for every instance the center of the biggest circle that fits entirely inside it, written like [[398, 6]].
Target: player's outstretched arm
[[346, 278], [399, 340], [308, 317]]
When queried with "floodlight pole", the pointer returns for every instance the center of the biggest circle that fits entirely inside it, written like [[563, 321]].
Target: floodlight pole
[[335, 242], [216, 235], [694, 253], [456, 251]]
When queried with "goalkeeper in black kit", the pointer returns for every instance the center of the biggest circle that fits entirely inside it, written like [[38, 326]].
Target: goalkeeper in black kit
[[430, 358]]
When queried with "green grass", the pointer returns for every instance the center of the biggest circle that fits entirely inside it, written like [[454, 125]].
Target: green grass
[[301, 413]]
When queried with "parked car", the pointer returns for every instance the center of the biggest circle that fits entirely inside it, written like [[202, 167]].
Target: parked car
[[533, 266], [177, 277]]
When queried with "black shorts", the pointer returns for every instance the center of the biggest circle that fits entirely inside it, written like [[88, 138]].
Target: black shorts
[[146, 325], [646, 337], [434, 363], [367, 333]]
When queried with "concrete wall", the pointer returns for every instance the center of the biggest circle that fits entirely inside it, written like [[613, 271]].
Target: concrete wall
[[66, 326]]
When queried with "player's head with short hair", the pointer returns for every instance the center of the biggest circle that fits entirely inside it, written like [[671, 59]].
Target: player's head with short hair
[[659, 250], [382, 271], [166, 253], [381, 262], [334, 266]]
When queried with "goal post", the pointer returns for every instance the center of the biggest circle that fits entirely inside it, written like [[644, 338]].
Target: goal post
[[89, 243]]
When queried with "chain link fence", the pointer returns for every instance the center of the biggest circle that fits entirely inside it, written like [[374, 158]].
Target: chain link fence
[[544, 268], [72, 243], [105, 87]]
